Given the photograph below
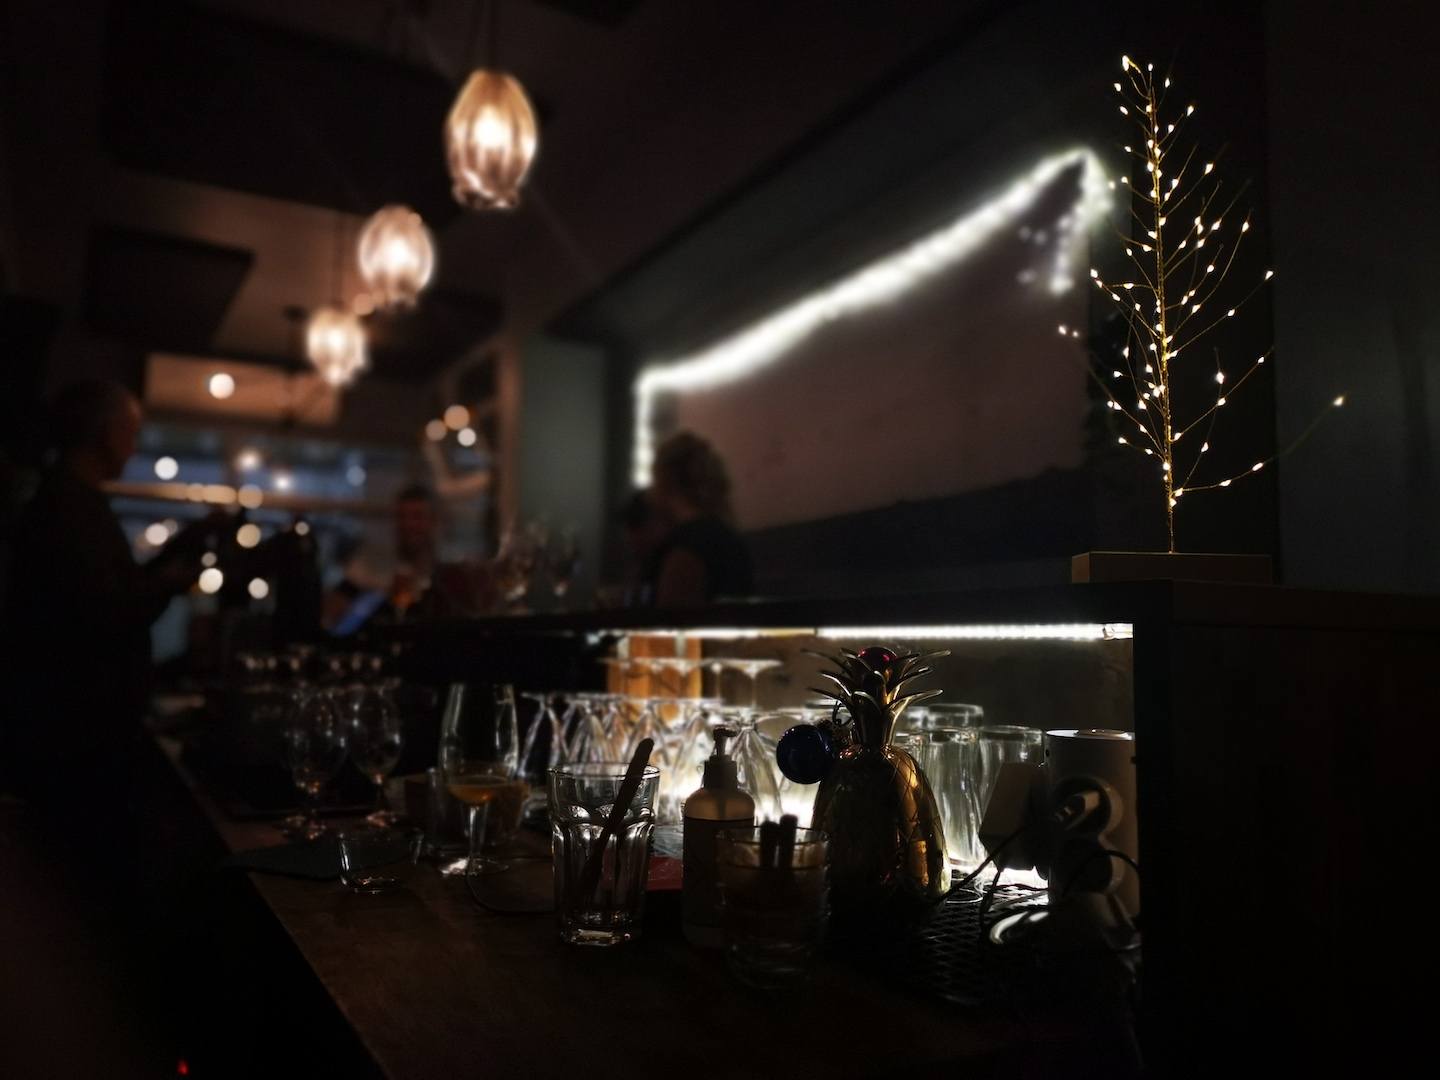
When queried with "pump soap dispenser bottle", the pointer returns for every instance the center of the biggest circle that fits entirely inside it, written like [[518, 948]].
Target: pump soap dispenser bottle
[[716, 805]]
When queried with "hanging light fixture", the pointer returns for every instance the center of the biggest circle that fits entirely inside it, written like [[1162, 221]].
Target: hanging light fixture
[[334, 337], [490, 135], [335, 344], [397, 256]]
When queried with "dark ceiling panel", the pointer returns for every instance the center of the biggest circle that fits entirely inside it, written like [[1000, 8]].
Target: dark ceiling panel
[[609, 13], [207, 97], [160, 292], [415, 345]]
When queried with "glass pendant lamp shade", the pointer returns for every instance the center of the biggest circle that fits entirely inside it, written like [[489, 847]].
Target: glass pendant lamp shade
[[490, 141], [335, 344], [397, 256]]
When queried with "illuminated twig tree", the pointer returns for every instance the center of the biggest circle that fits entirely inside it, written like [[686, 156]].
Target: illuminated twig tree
[[1182, 243]]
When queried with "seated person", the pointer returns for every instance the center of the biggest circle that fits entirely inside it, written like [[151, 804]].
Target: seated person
[[703, 557], [418, 584]]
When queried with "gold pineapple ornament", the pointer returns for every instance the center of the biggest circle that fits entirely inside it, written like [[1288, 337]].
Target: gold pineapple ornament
[[887, 843]]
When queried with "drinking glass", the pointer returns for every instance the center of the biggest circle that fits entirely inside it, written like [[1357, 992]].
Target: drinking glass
[[944, 714], [376, 741], [754, 754], [1001, 744], [544, 743], [948, 758], [477, 825], [774, 903], [752, 669], [316, 740], [479, 728], [582, 796], [377, 859], [562, 561], [479, 763]]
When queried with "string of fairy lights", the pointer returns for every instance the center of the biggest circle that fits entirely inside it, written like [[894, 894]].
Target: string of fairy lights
[[1182, 258]]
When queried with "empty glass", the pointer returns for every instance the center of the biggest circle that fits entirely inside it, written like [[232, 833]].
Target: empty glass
[[1001, 744], [316, 740], [376, 741], [600, 890], [754, 754], [544, 743], [562, 561], [943, 714], [949, 759], [375, 859], [775, 903]]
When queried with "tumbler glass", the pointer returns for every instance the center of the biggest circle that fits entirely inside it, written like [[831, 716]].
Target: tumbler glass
[[1001, 744], [376, 858], [949, 759], [775, 903], [600, 889]]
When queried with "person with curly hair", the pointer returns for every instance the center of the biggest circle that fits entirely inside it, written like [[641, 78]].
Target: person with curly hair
[[703, 558]]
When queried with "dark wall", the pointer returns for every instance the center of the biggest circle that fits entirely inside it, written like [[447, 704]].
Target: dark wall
[[1021, 79], [1355, 183]]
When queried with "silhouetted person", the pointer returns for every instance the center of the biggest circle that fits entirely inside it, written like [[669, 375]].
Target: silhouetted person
[[79, 612], [645, 530], [419, 585], [703, 557]]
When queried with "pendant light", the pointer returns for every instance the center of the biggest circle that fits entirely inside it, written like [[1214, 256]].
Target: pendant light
[[335, 344], [397, 257], [334, 338], [490, 136]]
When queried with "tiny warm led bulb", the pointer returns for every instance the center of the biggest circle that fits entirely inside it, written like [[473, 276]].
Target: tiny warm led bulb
[[1257, 466], [1339, 401]]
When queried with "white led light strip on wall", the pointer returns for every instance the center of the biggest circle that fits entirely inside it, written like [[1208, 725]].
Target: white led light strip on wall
[[881, 281], [893, 633], [986, 632]]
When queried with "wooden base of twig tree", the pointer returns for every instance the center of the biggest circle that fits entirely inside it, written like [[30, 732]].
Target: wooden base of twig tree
[[1098, 566]]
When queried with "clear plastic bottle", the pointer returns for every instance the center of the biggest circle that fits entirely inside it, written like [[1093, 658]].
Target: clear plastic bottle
[[716, 805]]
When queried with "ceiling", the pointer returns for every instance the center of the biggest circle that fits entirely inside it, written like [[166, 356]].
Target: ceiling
[[183, 176]]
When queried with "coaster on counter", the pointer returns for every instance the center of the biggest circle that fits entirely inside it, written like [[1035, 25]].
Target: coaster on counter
[[313, 860]]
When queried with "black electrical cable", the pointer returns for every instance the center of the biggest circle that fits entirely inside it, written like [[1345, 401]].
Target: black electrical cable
[[1110, 853]]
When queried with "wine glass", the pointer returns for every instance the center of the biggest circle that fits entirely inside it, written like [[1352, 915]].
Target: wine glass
[[316, 740], [754, 754], [752, 669], [480, 760], [519, 555], [562, 561], [377, 739]]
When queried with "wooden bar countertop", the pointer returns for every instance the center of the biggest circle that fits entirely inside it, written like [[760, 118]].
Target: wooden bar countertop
[[436, 986]]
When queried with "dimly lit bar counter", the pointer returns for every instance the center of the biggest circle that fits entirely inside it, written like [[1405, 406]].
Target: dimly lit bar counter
[[431, 984], [1257, 713]]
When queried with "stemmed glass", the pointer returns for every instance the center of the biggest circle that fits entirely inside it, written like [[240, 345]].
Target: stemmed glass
[[752, 669], [681, 667], [378, 738], [520, 552], [562, 562], [316, 740], [754, 755], [479, 763]]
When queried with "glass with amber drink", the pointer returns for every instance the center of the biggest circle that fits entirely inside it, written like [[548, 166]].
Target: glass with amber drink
[[479, 767]]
